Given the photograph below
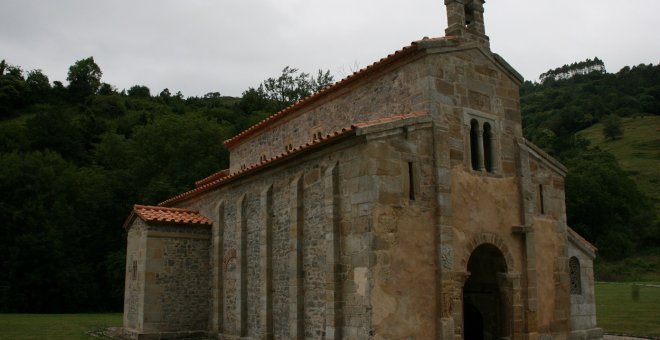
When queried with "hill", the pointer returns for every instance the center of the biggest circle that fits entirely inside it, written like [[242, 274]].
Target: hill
[[638, 151]]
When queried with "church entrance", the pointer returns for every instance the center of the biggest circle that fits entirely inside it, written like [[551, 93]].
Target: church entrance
[[486, 304]]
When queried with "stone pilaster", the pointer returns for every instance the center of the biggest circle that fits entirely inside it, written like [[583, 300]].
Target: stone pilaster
[[243, 261], [333, 308], [266, 266], [296, 275], [218, 269]]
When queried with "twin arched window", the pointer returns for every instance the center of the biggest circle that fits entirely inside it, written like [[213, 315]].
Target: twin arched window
[[481, 146]]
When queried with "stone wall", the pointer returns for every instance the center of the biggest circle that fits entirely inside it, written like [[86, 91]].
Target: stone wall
[[168, 290], [134, 275], [583, 303], [320, 285]]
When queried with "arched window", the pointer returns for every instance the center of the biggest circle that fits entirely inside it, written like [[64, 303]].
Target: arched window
[[469, 14], [488, 147], [474, 144], [574, 272]]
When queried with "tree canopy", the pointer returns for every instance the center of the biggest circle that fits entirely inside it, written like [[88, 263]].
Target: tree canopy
[[84, 78]]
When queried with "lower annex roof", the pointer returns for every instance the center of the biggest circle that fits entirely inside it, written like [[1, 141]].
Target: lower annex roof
[[166, 215]]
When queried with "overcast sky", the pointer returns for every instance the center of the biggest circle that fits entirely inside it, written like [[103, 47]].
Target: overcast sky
[[201, 46]]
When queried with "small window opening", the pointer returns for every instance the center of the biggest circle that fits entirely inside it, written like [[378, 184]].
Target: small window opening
[[488, 147], [411, 182], [574, 272], [469, 16], [474, 144], [134, 271], [541, 202]]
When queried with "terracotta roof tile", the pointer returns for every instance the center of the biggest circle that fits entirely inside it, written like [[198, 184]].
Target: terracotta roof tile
[[209, 184], [167, 215], [406, 51], [216, 176], [216, 179]]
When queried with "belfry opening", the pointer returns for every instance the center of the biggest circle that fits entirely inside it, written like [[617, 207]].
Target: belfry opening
[[485, 304]]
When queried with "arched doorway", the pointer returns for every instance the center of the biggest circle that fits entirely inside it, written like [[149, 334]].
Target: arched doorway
[[485, 307]]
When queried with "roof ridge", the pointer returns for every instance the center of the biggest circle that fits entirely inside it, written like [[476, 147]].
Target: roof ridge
[[161, 208], [406, 50], [162, 214], [256, 166]]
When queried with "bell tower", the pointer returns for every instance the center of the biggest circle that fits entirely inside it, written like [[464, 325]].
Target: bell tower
[[465, 19]]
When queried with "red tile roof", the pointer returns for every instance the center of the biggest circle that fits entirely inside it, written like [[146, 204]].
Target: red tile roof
[[167, 215], [212, 182], [206, 185], [371, 69], [216, 176]]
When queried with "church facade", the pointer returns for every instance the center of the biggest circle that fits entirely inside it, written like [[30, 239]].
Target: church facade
[[400, 203]]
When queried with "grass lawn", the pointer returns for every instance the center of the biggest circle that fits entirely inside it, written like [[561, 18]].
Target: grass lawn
[[619, 314], [54, 326]]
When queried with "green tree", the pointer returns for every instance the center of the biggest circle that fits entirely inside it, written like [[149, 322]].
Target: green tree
[[612, 126], [139, 91], [292, 86], [604, 204], [84, 78], [173, 152], [38, 85], [13, 89]]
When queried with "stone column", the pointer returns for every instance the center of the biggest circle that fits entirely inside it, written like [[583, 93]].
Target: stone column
[[452, 305], [480, 147], [512, 318]]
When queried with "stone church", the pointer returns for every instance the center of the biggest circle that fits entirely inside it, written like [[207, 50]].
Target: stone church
[[399, 203]]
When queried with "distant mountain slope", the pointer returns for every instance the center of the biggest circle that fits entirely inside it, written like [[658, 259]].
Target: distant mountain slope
[[638, 151]]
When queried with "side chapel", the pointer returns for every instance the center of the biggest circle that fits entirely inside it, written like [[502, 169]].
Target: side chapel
[[399, 203]]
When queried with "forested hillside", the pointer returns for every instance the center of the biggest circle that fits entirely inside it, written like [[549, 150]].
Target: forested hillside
[[603, 202], [75, 157]]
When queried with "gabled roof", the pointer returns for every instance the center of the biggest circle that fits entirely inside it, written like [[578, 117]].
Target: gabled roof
[[582, 242], [371, 69], [166, 215], [223, 176]]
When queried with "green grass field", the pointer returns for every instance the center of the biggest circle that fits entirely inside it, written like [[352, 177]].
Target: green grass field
[[638, 151], [618, 313], [54, 326]]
